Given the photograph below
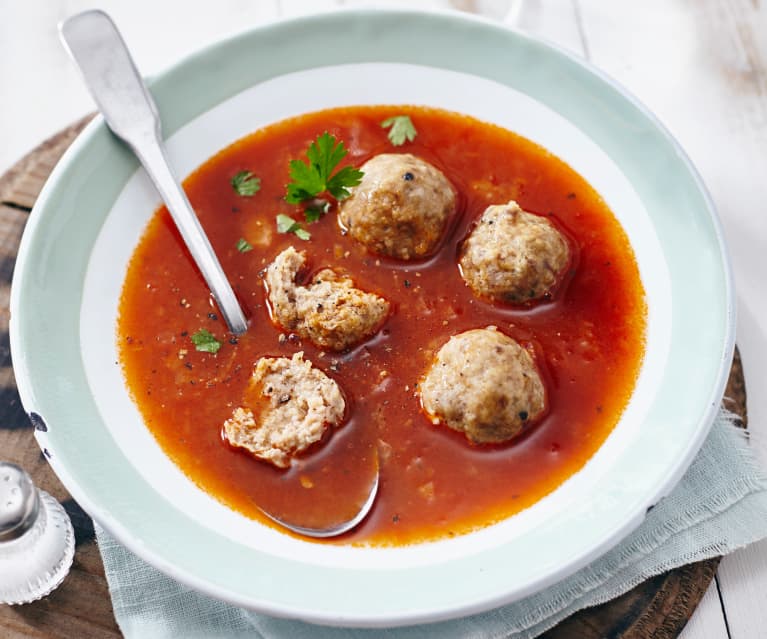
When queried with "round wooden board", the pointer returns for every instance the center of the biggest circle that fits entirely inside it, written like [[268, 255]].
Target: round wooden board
[[81, 607]]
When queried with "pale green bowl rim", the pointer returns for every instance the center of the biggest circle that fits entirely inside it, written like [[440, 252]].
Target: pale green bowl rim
[[48, 282]]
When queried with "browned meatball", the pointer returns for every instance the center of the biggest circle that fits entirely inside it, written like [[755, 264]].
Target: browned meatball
[[513, 256], [328, 310], [400, 208], [484, 384]]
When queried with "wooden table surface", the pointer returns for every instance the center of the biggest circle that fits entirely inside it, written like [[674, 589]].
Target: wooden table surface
[[701, 65]]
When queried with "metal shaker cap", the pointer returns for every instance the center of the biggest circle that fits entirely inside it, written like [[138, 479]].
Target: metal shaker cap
[[19, 502]]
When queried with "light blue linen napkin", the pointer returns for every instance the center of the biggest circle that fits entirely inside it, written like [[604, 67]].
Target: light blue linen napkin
[[718, 506]]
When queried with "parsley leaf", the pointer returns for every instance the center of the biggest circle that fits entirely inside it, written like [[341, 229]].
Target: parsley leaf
[[204, 341], [347, 176], [245, 184], [306, 182], [401, 129], [243, 246], [309, 179], [315, 210], [286, 224]]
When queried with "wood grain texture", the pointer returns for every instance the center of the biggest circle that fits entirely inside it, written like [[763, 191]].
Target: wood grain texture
[[22, 183], [81, 607], [658, 608]]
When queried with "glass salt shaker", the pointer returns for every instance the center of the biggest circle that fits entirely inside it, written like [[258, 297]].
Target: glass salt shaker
[[37, 542]]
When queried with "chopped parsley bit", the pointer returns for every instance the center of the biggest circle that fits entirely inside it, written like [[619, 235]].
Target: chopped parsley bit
[[309, 179], [246, 184], [402, 129], [286, 224], [315, 210], [204, 341], [243, 246]]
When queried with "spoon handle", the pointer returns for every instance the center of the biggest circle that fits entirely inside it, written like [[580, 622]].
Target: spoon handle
[[95, 44]]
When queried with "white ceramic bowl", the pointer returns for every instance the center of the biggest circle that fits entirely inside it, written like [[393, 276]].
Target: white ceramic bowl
[[91, 213]]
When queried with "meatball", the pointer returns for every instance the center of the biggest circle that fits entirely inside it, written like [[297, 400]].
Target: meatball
[[294, 405], [513, 256], [484, 384], [328, 310], [400, 208]]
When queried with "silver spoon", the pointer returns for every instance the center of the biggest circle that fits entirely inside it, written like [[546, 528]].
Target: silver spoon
[[96, 46]]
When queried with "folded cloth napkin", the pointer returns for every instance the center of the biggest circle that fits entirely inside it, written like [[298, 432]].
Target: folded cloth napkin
[[718, 506]]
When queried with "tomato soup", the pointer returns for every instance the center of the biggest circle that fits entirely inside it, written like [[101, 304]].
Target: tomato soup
[[589, 338]]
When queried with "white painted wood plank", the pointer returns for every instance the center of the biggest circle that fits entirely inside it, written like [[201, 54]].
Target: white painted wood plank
[[704, 74], [291, 8], [557, 21], [744, 591], [702, 67], [708, 620], [494, 9], [41, 90]]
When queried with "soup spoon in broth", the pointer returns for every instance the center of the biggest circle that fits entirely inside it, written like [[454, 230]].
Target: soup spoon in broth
[[96, 46]]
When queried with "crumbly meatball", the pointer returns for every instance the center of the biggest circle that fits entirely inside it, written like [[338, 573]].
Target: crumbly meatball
[[289, 405], [513, 256], [400, 208], [484, 384], [328, 310]]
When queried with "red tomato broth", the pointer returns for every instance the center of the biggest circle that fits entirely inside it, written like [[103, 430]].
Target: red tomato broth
[[588, 340]]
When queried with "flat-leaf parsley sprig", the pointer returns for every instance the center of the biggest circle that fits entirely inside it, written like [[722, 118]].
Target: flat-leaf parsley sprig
[[243, 246], [245, 184], [315, 176], [205, 342], [401, 129], [286, 224]]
